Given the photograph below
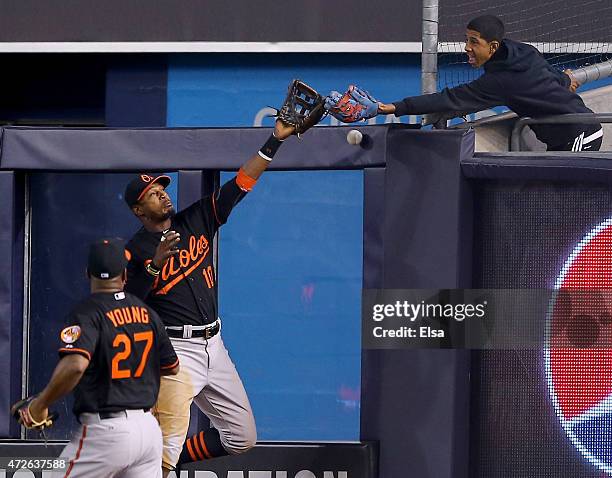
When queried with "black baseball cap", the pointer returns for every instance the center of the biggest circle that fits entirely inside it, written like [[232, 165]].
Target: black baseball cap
[[140, 185], [107, 258]]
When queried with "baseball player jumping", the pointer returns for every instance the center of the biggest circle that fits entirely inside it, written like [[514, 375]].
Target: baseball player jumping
[[172, 269], [113, 352]]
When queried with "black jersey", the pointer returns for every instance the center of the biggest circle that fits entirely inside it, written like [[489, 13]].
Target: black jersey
[[185, 292], [127, 346]]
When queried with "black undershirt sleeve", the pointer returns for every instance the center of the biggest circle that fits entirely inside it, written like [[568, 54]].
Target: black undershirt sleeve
[[220, 204], [139, 281]]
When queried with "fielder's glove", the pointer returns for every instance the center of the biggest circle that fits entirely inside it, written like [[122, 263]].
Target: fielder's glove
[[21, 413], [354, 105], [303, 108]]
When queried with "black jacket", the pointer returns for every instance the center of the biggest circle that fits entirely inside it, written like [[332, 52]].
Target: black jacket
[[516, 76]]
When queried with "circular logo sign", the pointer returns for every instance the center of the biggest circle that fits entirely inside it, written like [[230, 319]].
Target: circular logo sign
[[578, 351], [70, 334]]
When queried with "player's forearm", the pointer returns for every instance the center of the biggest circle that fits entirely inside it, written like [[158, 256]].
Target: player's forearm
[[65, 377], [258, 163], [255, 166]]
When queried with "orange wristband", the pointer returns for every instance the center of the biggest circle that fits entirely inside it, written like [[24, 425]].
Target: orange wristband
[[244, 181]]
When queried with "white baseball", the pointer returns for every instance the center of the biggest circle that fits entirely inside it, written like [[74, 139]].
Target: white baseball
[[354, 137]]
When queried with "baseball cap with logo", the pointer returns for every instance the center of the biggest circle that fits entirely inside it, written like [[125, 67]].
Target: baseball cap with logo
[[138, 186], [107, 258]]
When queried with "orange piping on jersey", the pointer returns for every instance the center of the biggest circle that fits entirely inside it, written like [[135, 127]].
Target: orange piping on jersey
[[164, 290], [197, 448], [204, 449], [190, 450], [166, 367], [78, 453], [78, 351], [244, 181], [214, 205]]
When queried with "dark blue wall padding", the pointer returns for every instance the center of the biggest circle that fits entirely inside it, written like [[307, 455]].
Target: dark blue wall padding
[[373, 222], [183, 148], [553, 166], [190, 188], [423, 210], [415, 402], [136, 89], [11, 297]]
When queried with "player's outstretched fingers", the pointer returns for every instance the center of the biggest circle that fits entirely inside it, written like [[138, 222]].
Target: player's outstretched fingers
[[167, 247], [171, 236]]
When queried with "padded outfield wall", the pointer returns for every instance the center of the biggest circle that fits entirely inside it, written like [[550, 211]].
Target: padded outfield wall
[[415, 210]]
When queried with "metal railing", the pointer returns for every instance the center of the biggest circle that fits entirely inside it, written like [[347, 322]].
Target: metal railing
[[575, 118]]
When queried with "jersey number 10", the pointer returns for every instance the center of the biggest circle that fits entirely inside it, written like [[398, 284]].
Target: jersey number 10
[[124, 342]]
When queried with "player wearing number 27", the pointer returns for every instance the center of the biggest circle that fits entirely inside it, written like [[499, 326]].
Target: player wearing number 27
[[113, 351], [172, 269]]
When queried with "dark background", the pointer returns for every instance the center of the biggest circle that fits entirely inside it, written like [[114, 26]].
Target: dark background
[[273, 21]]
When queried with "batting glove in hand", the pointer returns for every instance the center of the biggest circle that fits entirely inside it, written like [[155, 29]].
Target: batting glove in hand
[[21, 413]]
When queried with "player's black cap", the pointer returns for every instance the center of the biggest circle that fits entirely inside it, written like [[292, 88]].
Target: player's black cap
[[107, 258], [140, 185]]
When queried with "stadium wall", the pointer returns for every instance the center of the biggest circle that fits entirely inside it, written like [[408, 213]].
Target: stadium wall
[[384, 394]]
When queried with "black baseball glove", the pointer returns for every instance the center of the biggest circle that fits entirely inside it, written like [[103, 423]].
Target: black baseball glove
[[21, 413], [303, 108]]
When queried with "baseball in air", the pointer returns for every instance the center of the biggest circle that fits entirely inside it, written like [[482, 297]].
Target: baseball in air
[[354, 137]]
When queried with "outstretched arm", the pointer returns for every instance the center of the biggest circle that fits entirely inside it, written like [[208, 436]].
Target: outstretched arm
[[233, 191], [485, 92], [255, 166]]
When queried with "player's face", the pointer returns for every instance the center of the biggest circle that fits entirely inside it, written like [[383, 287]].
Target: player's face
[[478, 50], [156, 204]]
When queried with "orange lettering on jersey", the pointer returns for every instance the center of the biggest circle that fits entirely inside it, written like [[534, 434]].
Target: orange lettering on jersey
[[184, 258], [169, 270], [128, 315], [111, 317], [118, 317], [136, 314], [181, 265]]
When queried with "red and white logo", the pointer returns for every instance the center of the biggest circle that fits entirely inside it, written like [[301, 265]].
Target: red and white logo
[[146, 178], [578, 351]]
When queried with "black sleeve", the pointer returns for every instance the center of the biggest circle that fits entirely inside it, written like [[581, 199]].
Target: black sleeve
[[139, 281], [563, 78], [167, 356], [218, 206], [81, 335], [484, 92]]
